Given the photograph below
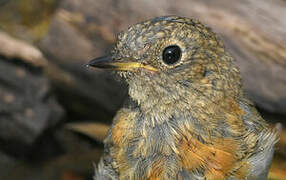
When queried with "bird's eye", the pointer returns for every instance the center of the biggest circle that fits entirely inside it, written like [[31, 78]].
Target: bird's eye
[[172, 54]]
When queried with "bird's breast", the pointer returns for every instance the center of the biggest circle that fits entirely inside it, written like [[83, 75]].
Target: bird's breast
[[169, 150]]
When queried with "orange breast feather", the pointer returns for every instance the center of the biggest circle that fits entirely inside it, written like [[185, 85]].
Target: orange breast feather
[[218, 159]]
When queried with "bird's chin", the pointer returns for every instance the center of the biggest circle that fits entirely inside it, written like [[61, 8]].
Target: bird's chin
[[125, 74], [135, 73]]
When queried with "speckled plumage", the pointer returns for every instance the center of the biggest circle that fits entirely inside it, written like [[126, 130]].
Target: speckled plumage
[[188, 120]]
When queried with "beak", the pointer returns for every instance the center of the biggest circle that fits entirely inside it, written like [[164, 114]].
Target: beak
[[107, 62]]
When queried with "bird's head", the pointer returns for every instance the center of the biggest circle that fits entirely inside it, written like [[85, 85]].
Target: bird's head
[[170, 55]]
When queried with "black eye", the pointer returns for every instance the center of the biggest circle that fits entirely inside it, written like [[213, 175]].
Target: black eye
[[172, 54]]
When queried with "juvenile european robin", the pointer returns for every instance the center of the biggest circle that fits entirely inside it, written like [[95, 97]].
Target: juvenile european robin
[[187, 116]]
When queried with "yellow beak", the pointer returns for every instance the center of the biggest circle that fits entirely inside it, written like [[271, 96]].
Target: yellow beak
[[107, 62]]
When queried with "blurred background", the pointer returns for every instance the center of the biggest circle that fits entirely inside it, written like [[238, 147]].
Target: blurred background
[[54, 112]]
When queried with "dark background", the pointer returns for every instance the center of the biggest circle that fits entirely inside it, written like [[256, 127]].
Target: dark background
[[54, 112]]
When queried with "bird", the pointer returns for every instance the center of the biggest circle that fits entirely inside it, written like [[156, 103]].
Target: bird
[[187, 116]]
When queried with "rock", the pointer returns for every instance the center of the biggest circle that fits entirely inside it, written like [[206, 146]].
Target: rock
[[87, 93], [27, 106], [56, 169], [16, 49], [6, 163]]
